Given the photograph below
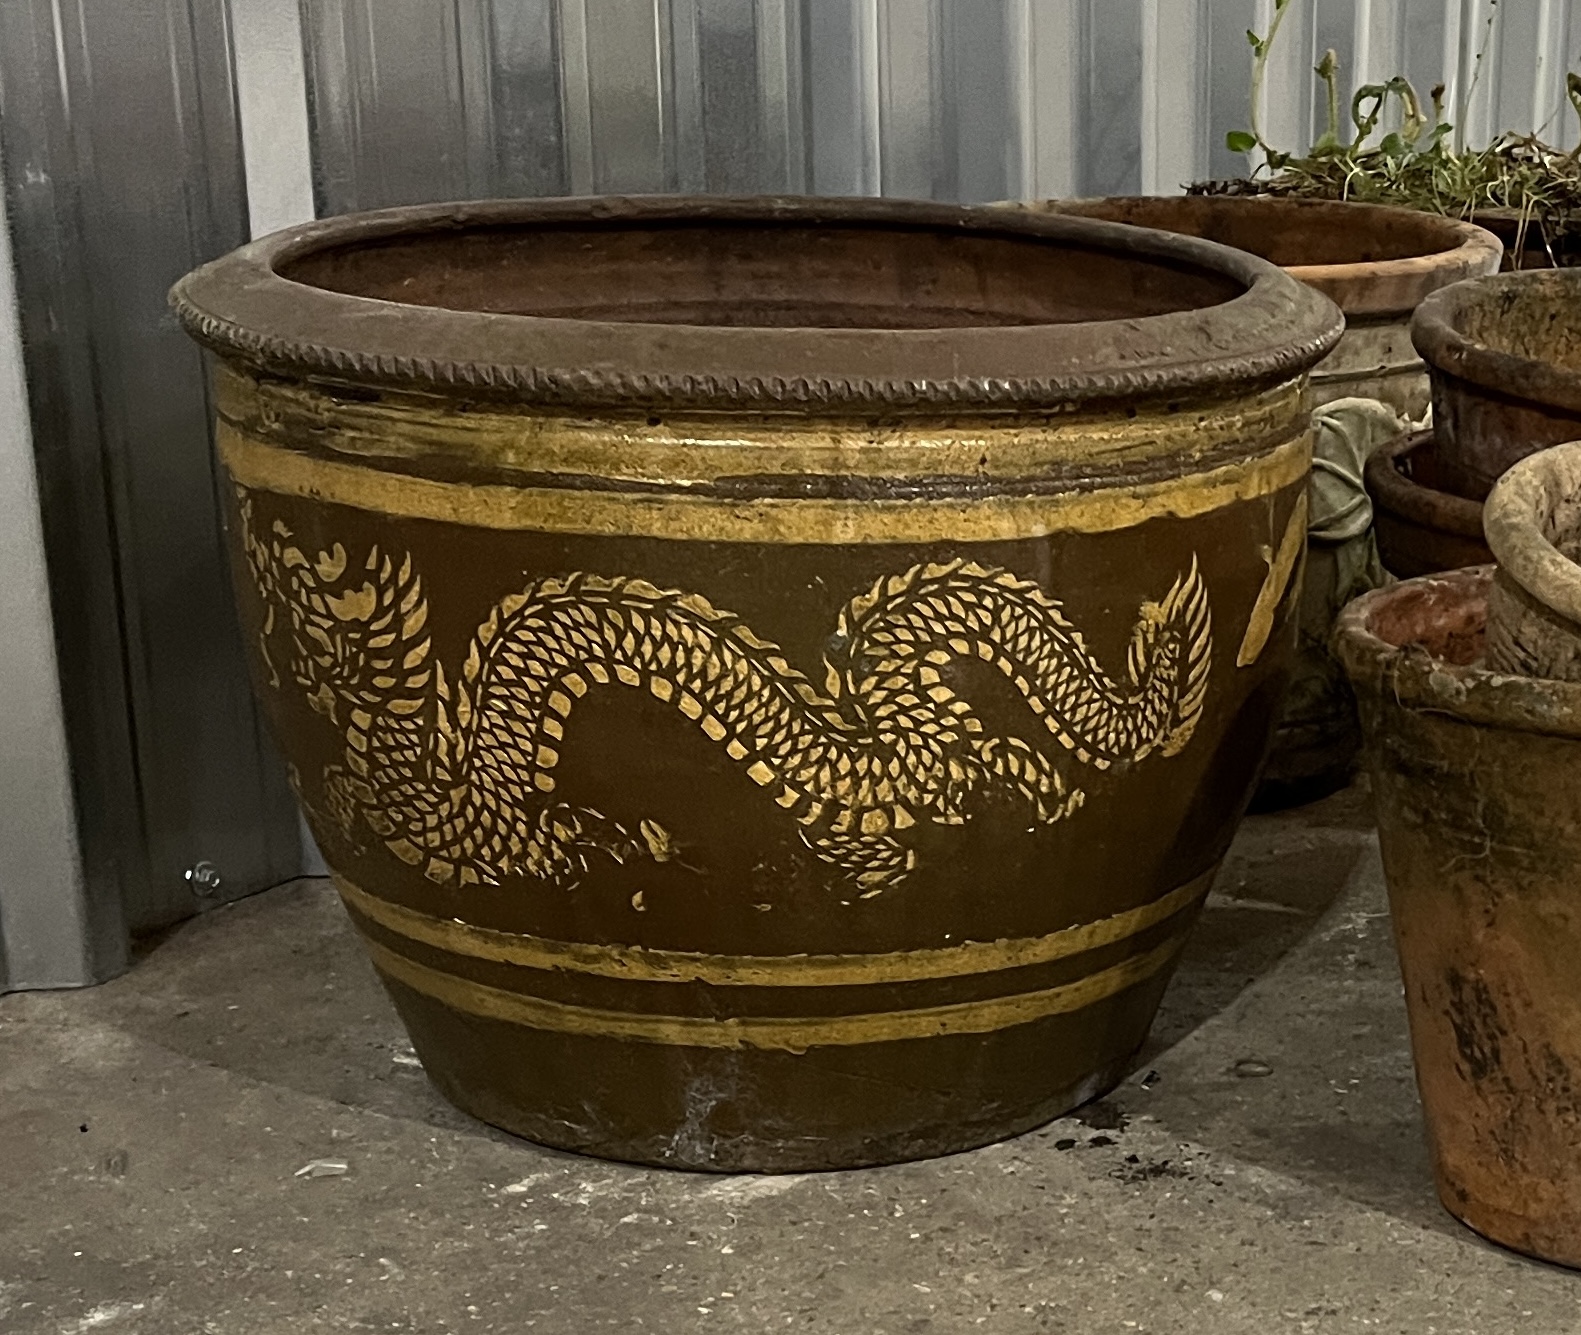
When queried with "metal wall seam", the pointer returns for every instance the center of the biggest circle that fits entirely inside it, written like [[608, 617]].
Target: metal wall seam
[[46, 933]]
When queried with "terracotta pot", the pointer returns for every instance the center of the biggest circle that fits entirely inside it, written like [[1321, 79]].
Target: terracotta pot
[[1377, 264], [1421, 527], [1504, 354], [1474, 783], [1533, 523], [772, 689], [1527, 246]]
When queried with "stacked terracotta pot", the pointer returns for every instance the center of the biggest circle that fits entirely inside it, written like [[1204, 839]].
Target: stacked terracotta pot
[[1469, 681], [1504, 356]]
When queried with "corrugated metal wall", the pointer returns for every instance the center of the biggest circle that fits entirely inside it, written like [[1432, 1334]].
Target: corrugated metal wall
[[951, 99], [141, 137]]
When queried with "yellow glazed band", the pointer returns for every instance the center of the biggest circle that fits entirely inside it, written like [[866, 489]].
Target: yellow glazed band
[[776, 1033], [640, 964], [265, 467]]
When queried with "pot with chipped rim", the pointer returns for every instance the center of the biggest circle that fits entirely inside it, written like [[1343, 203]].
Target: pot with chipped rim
[[773, 679], [1473, 781]]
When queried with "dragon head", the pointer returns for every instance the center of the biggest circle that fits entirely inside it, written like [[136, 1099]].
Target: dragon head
[[355, 629]]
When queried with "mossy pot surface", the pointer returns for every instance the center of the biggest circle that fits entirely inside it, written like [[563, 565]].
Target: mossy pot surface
[[1473, 776], [1504, 356], [773, 679]]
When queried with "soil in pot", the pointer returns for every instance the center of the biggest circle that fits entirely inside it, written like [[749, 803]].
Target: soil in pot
[[1473, 776], [1420, 526], [773, 679]]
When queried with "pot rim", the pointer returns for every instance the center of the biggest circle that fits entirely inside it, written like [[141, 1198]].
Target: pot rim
[[1435, 332], [241, 307], [1414, 679], [1512, 519], [1392, 491], [1369, 288]]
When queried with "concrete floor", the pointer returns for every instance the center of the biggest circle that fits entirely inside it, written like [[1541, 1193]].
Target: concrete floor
[[1262, 1171]]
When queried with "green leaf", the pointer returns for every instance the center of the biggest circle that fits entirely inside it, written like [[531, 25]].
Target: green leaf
[[1239, 141], [1254, 40]]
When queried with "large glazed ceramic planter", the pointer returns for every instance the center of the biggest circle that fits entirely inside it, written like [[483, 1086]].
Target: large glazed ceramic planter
[[1421, 526], [1533, 523], [1473, 777], [773, 679], [1504, 355], [1376, 264]]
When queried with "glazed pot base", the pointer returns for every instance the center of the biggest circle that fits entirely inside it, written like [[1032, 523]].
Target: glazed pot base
[[736, 1110]]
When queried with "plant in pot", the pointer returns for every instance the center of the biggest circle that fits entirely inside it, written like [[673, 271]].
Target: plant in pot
[[1522, 188], [773, 679], [1470, 691]]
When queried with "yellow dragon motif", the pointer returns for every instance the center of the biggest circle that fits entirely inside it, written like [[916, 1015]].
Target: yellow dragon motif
[[455, 771]]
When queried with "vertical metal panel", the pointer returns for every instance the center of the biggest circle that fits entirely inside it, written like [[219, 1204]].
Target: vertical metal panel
[[1111, 77], [1229, 65], [1175, 107], [840, 80], [46, 920], [271, 94], [736, 79], [910, 102], [124, 171], [1046, 33], [982, 124], [526, 83], [626, 43], [400, 100]]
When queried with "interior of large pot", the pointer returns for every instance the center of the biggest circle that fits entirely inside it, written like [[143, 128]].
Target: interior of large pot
[[1287, 232], [762, 273]]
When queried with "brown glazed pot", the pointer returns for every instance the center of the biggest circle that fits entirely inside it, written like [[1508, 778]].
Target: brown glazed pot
[[1533, 523], [1421, 528], [773, 678], [1474, 784], [1504, 355], [1376, 264]]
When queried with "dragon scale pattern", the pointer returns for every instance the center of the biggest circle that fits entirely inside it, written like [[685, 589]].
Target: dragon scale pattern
[[456, 772]]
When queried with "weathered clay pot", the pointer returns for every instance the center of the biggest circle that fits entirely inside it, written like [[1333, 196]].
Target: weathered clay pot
[[1473, 778], [1533, 523], [1421, 527], [773, 679], [1504, 354], [1377, 264]]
